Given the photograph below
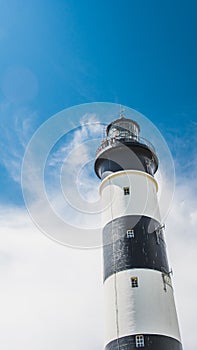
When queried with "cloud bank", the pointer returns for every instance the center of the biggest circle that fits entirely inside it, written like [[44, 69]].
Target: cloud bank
[[51, 296]]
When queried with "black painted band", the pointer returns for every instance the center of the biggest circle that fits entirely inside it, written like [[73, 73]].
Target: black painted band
[[125, 156], [146, 249], [151, 342]]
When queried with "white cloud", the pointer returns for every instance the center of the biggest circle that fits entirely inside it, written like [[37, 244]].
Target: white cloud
[[89, 129], [71, 187], [182, 247], [51, 296], [17, 125]]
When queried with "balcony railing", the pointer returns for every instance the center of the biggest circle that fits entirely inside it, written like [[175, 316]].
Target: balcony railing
[[112, 142]]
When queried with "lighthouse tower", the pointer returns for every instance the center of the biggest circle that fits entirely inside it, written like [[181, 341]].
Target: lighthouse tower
[[139, 302]]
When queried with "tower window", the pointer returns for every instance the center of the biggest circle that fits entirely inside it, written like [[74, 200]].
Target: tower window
[[139, 341], [134, 282], [126, 190], [130, 234]]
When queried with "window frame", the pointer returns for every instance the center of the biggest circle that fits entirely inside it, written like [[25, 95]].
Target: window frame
[[130, 233], [126, 190], [139, 341], [134, 282]]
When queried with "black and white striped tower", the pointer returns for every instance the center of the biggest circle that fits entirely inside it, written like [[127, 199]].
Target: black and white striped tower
[[139, 301]]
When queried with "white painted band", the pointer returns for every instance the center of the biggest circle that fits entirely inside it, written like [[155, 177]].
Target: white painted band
[[146, 309], [126, 172], [141, 201]]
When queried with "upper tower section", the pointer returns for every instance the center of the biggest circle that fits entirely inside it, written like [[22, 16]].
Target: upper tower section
[[123, 128], [124, 149]]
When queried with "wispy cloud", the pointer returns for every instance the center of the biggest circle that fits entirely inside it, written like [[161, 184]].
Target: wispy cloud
[[17, 126], [88, 129], [60, 197], [70, 174], [183, 146]]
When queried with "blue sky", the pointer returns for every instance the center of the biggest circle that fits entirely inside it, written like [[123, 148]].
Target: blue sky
[[58, 54]]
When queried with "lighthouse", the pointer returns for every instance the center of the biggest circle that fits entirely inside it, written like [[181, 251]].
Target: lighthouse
[[139, 307]]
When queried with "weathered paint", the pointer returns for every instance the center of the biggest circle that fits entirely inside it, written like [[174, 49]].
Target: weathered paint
[[147, 309], [147, 249]]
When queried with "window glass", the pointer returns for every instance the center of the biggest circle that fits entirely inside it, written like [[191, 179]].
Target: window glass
[[139, 341], [134, 282], [126, 191], [130, 233]]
